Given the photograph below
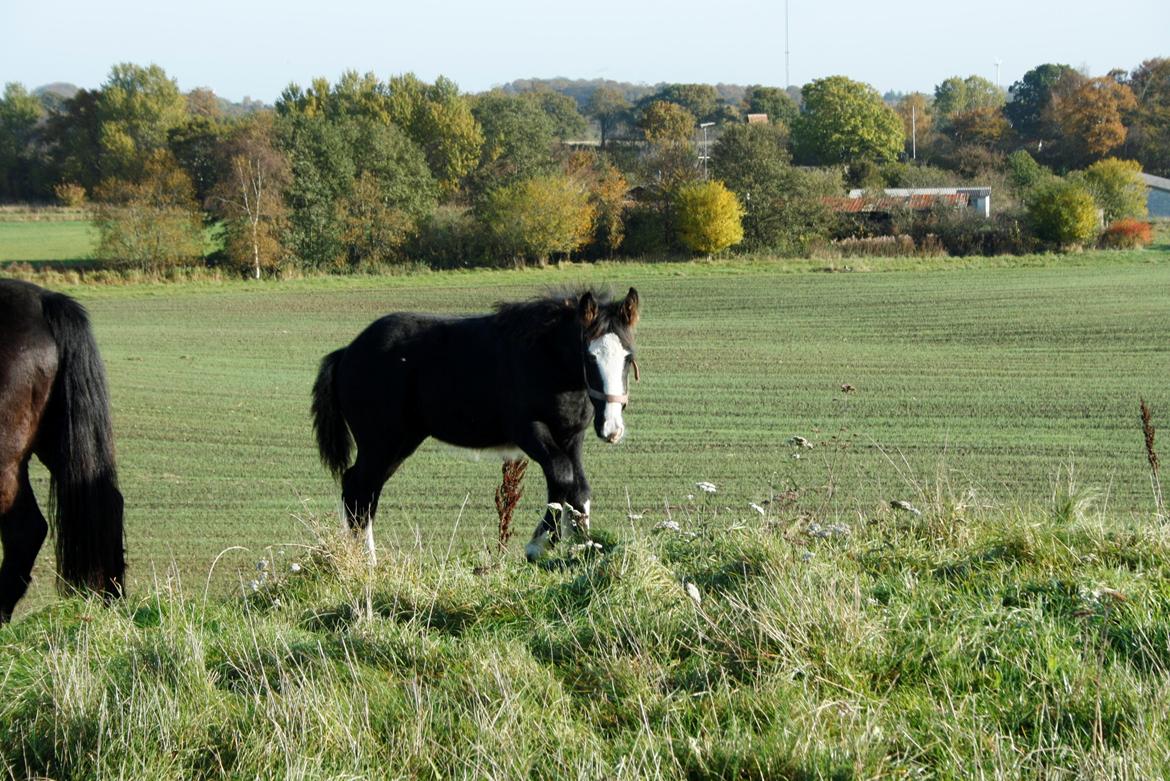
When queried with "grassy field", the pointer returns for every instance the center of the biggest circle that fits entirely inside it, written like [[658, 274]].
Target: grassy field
[[951, 645], [987, 386], [56, 240], [1014, 624]]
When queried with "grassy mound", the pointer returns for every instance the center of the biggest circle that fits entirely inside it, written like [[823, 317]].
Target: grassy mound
[[933, 645]]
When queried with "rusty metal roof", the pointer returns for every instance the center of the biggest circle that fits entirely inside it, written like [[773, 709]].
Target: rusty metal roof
[[863, 204]]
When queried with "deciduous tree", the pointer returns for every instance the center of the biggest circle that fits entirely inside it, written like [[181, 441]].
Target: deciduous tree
[[1117, 187], [1088, 114], [667, 125], [1063, 213], [782, 208], [149, 222], [1148, 139], [843, 121], [137, 107], [250, 195], [20, 167], [669, 160], [956, 96], [608, 193], [327, 158], [535, 218], [709, 217], [700, 100], [1030, 97], [519, 139], [609, 107], [917, 113], [772, 101]]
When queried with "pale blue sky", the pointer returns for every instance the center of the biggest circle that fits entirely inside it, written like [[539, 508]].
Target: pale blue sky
[[243, 48]]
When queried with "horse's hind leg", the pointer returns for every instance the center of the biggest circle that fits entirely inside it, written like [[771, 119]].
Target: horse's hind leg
[[361, 486], [22, 531]]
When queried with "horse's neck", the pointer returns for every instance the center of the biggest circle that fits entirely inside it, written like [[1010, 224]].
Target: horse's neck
[[558, 354]]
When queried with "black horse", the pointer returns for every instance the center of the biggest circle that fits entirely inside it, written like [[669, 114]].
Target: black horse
[[529, 376], [53, 403]]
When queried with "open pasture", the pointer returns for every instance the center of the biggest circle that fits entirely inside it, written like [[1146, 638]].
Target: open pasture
[[990, 379], [36, 241]]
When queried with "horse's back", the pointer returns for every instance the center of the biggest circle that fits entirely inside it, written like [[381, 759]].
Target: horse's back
[[26, 343], [435, 375], [20, 308]]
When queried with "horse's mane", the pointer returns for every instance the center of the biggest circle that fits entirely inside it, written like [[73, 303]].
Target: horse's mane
[[527, 320]]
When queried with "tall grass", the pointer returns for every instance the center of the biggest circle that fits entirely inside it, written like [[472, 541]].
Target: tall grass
[[993, 644]]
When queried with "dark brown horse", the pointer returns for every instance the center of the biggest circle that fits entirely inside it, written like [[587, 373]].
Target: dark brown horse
[[53, 404]]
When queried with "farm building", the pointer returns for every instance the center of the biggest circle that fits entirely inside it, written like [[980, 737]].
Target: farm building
[[925, 198], [1158, 195]]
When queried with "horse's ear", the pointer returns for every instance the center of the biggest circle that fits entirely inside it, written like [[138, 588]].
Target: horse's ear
[[587, 309], [630, 308]]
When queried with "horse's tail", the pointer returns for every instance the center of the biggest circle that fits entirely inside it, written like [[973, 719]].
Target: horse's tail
[[86, 504], [333, 438]]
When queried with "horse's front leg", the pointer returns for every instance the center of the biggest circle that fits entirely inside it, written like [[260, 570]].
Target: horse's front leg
[[579, 497], [564, 501]]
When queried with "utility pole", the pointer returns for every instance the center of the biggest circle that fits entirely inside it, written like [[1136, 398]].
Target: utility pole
[[913, 131]]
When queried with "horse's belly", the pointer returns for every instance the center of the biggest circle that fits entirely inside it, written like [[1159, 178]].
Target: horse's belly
[[507, 452]]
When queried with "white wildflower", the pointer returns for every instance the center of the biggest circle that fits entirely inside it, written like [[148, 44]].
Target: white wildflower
[[254, 585], [901, 504], [262, 565], [705, 487], [294, 567], [634, 516], [668, 526], [277, 603], [757, 508], [799, 441], [693, 593]]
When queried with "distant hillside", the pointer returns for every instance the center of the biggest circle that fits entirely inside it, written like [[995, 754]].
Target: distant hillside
[[245, 106], [53, 95], [581, 89], [63, 89]]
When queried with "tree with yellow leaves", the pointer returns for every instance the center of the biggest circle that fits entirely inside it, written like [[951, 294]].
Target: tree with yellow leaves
[[710, 218]]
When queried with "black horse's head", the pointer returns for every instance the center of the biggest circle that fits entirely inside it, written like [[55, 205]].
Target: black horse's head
[[608, 354]]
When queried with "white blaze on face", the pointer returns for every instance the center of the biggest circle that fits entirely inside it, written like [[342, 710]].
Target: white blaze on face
[[610, 356]]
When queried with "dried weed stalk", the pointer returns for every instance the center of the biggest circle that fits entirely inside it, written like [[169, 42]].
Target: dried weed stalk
[[1152, 457], [508, 496]]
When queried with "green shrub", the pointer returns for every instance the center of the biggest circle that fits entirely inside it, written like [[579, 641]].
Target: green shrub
[[1117, 187], [451, 237], [1064, 214]]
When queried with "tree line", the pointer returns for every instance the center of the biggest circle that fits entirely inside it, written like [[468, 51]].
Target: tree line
[[364, 172]]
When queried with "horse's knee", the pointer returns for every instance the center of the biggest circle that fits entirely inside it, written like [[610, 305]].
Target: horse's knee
[[10, 484]]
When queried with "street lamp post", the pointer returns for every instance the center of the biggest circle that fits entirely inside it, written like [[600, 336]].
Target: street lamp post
[[704, 155]]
